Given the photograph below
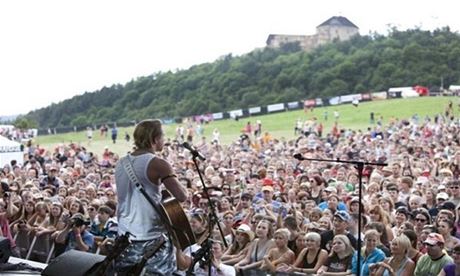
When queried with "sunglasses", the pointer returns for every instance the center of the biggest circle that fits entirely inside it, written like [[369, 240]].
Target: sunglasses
[[454, 187], [420, 220]]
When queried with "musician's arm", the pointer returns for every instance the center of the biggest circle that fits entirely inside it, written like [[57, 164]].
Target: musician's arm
[[161, 171], [183, 261]]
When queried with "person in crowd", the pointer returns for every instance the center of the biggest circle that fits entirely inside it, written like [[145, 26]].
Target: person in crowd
[[340, 226], [218, 268], [377, 214], [435, 259], [106, 228], [240, 246], [399, 264], [259, 248], [446, 229], [383, 243], [75, 235], [312, 256], [279, 257], [402, 215], [199, 225], [454, 268], [421, 218], [338, 262], [370, 254]]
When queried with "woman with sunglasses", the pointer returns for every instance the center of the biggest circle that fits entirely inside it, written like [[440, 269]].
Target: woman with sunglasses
[[422, 218]]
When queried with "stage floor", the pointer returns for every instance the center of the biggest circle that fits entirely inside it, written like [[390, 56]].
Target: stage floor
[[14, 260]]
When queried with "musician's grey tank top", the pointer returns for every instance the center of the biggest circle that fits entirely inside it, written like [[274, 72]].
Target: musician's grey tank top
[[134, 212]]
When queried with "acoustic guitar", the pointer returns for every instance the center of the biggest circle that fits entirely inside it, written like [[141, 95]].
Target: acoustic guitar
[[177, 222]]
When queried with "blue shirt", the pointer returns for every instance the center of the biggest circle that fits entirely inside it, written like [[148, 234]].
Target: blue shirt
[[86, 236], [376, 256], [341, 206]]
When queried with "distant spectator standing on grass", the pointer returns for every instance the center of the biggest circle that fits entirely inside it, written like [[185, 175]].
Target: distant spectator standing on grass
[[89, 134], [336, 115], [114, 133]]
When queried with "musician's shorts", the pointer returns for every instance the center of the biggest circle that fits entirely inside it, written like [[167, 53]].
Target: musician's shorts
[[162, 262]]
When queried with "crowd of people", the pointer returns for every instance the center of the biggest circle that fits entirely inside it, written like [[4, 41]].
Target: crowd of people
[[277, 214]]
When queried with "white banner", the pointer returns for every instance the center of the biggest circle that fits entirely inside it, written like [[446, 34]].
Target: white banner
[[236, 113], [350, 98], [293, 105], [254, 110], [275, 107], [218, 116], [334, 101]]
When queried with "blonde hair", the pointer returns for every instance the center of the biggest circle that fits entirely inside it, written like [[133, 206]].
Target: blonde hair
[[283, 232], [145, 133], [372, 233], [313, 236], [404, 242], [349, 250]]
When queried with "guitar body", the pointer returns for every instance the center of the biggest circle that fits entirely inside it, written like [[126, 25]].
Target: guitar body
[[180, 227]]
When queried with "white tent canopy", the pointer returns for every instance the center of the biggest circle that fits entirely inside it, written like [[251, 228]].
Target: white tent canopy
[[10, 150]]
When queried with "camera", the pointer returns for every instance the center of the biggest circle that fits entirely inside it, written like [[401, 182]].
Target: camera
[[77, 222]]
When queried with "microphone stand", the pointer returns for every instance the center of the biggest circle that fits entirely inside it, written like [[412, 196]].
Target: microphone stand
[[213, 219], [359, 165]]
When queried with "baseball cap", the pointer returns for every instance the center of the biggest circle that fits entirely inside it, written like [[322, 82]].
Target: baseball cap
[[331, 190], [343, 215], [434, 239], [447, 205], [442, 195], [267, 181], [244, 228], [446, 171], [267, 188], [354, 199]]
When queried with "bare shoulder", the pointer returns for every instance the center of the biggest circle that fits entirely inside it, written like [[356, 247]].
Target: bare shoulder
[[158, 168]]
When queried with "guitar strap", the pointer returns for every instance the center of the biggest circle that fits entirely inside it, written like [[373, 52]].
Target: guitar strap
[[128, 166]]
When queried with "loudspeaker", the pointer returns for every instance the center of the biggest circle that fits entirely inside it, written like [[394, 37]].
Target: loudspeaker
[[5, 250], [73, 263]]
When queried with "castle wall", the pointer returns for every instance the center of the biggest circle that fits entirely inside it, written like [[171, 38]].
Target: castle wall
[[324, 34]]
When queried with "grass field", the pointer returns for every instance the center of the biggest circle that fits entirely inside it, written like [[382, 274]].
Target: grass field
[[278, 124]]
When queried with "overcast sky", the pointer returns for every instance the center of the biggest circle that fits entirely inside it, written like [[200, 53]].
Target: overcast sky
[[53, 50]]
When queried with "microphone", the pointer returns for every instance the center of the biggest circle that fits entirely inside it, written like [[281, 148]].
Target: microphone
[[194, 151], [299, 157]]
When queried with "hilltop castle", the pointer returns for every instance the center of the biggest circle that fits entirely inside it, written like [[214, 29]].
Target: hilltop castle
[[336, 27]]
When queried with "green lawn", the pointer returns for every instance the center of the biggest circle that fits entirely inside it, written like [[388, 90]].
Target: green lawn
[[278, 124]]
